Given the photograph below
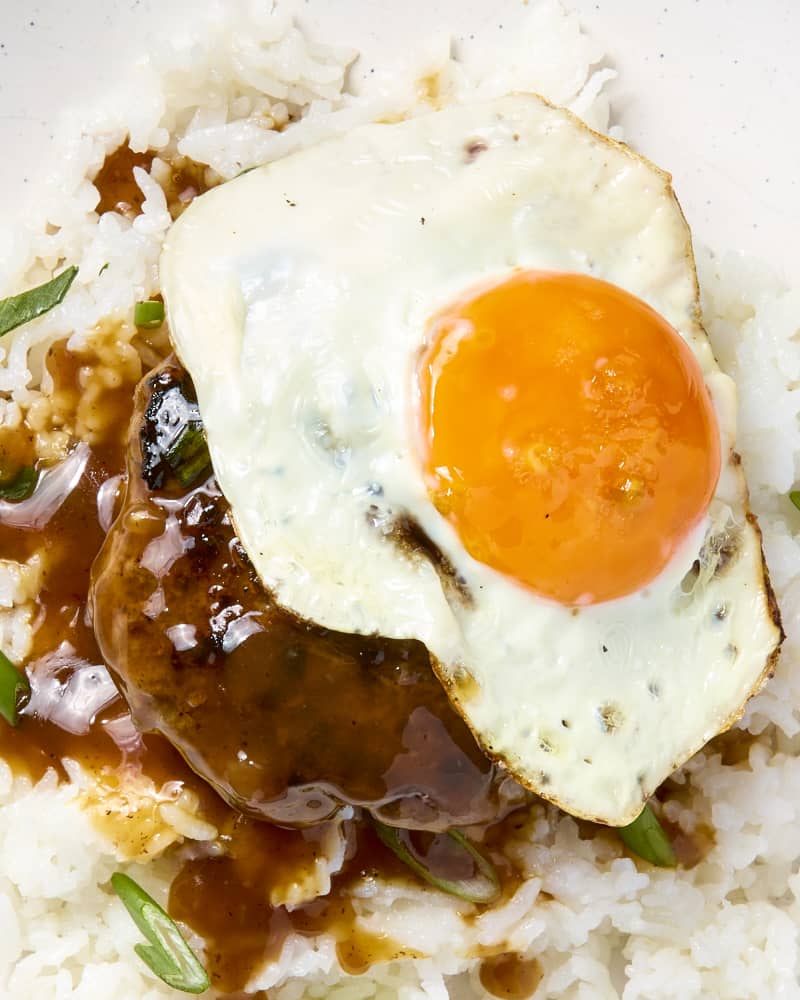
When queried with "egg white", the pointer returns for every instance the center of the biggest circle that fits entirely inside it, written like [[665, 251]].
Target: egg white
[[298, 296]]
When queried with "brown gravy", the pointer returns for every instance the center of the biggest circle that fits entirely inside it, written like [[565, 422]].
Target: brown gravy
[[17, 449], [70, 543], [115, 182], [510, 975], [227, 901], [119, 192], [232, 900], [287, 720]]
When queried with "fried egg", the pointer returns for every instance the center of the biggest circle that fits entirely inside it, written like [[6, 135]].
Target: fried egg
[[456, 389]]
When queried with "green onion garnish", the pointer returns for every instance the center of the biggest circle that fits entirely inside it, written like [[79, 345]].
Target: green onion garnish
[[482, 887], [14, 690], [794, 496], [188, 457], [646, 837], [167, 954], [22, 308], [21, 486], [148, 315]]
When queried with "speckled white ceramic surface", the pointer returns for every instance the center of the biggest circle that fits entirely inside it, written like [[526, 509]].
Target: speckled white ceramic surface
[[709, 89]]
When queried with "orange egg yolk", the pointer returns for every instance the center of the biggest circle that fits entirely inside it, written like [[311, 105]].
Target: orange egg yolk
[[566, 433]]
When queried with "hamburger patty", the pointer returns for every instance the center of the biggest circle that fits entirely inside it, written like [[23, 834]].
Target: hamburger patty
[[287, 720]]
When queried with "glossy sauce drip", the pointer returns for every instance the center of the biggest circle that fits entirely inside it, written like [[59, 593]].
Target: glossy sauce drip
[[73, 535], [229, 900], [182, 181], [510, 975], [116, 184]]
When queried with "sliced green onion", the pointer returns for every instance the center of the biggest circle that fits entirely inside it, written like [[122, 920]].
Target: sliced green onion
[[794, 496], [148, 315], [167, 954], [103, 268], [21, 486], [188, 457], [22, 308], [482, 887], [646, 837], [14, 690]]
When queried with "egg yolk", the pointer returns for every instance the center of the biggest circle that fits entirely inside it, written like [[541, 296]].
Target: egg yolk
[[566, 433]]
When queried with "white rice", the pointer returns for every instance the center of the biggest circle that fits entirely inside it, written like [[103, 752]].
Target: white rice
[[599, 926]]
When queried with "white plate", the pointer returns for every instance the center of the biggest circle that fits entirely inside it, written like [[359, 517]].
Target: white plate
[[708, 89]]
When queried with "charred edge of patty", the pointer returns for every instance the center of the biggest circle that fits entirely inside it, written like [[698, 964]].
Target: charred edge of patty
[[171, 410]]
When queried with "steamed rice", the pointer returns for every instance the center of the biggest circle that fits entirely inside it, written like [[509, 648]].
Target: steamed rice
[[598, 925]]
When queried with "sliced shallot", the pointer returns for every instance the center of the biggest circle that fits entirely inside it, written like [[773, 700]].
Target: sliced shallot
[[68, 690], [53, 488]]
